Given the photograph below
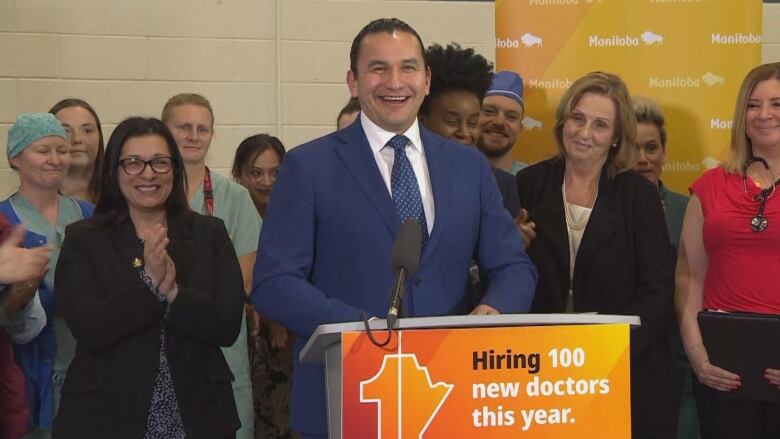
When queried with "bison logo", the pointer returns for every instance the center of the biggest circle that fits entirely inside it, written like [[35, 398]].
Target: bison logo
[[531, 124], [711, 79], [530, 40], [709, 162], [650, 38]]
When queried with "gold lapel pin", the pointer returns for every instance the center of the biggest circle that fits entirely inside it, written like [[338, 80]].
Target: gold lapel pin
[[138, 263]]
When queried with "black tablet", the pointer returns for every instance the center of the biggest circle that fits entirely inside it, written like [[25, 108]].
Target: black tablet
[[745, 344]]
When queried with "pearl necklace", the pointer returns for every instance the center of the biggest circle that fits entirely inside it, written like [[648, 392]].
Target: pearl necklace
[[570, 223]]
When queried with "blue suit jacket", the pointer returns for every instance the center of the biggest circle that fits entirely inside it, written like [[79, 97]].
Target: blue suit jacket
[[324, 253]]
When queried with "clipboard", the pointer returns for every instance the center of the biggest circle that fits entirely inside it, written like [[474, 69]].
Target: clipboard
[[745, 344]]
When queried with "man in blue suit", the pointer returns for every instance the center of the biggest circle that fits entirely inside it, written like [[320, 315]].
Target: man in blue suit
[[338, 203]]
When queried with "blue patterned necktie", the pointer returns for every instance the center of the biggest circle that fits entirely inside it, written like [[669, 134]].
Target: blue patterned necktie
[[403, 183]]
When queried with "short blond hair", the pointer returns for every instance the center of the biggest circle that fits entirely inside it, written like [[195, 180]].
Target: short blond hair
[[648, 111], [623, 156], [186, 99], [741, 149]]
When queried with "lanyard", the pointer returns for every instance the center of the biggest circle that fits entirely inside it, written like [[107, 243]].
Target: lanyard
[[208, 192]]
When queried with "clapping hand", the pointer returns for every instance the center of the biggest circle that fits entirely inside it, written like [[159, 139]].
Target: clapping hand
[[158, 264], [19, 264]]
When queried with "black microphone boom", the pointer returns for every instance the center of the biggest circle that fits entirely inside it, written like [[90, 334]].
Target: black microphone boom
[[404, 262]]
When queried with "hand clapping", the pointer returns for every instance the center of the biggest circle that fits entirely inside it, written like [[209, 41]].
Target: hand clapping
[[158, 264], [19, 264]]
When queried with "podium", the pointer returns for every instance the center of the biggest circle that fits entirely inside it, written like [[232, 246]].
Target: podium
[[596, 362]]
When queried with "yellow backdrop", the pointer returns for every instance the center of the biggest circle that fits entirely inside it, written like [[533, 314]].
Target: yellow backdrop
[[689, 55]]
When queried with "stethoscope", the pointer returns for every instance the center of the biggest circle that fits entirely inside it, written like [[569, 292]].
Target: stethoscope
[[759, 222]]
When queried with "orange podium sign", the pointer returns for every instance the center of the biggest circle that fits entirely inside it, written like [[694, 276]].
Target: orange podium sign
[[530, 382]]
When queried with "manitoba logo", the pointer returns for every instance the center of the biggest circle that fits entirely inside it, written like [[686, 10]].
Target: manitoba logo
[[712, 79], [648, 38], [530, 40], [682, 166], [717, 123], [709, 79], [406, 398], [674, 82], [709, 162], [738, 38], [550, 84], [531, 124]]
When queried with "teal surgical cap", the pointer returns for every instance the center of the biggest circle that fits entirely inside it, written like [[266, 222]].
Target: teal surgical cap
[[31, 127]]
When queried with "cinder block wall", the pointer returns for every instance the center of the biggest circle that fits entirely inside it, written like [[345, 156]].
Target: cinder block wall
[[275, 66]]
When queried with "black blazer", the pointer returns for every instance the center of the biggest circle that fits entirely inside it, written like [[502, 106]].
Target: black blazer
[[116, 321], [624, 265]]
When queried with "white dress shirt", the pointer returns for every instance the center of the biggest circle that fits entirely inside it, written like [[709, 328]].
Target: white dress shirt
[[384, 156]]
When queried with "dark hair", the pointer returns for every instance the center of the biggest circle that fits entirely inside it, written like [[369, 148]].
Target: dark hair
[[353, 106], [93, 189], [380, 25], [112, 205], [454, 68], [253, 146]]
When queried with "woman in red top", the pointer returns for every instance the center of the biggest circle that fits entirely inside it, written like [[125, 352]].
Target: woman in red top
[[729, 258]]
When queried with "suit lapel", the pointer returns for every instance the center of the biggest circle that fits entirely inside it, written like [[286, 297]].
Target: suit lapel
[[440, 172], [355, 152]]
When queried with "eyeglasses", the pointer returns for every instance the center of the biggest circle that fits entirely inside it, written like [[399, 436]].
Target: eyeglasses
[[135, 166], [757, 166]]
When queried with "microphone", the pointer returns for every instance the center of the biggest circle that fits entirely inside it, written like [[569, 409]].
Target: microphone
[[403, 262]]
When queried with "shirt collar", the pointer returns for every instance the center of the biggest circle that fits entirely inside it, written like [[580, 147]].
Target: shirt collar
[[378, 137]]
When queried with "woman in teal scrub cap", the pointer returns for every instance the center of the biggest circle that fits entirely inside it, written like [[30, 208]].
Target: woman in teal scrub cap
[[38, 150]]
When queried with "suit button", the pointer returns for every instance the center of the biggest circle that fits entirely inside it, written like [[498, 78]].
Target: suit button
[[417, 282]]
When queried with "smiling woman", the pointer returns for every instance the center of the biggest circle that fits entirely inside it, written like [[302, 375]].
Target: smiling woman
[[38, 151], [729, 260], [592, 212], [151, 320], [85, 133], [255, 167]]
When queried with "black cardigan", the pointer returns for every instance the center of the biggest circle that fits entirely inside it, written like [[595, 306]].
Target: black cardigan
[[624, 265]]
